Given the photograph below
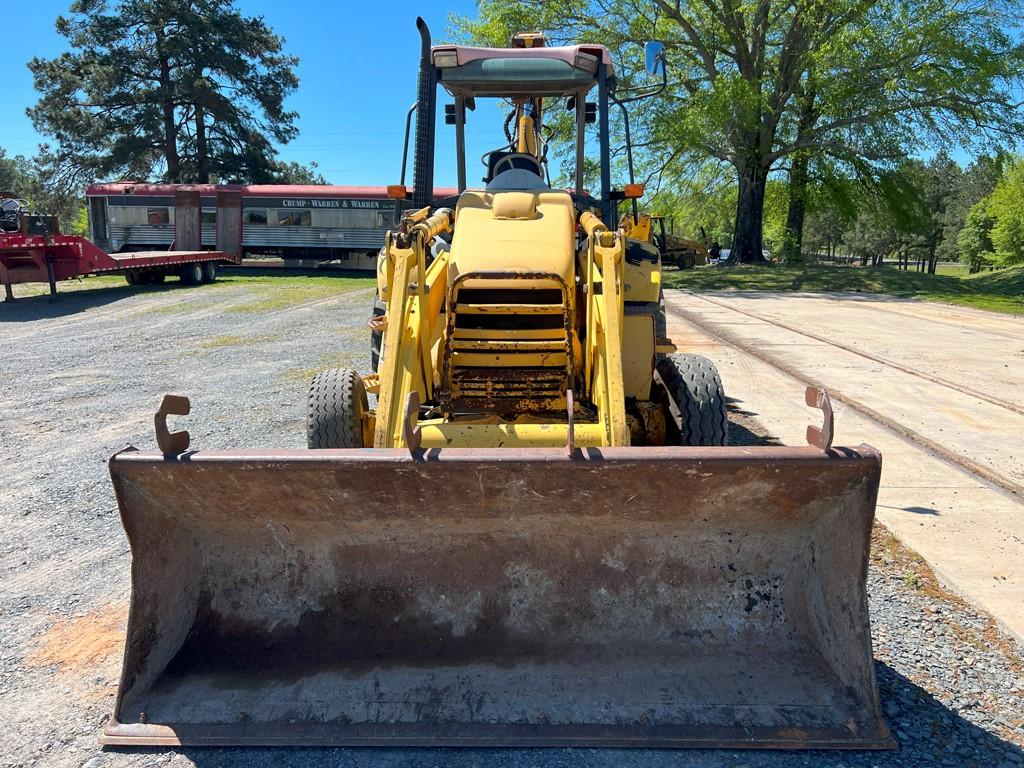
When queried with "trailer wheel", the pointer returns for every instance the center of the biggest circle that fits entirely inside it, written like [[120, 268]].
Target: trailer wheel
[[694, 400], [209, 271], [377, 337], [335, 409], [191, 274], [156, 278], [131, 277]]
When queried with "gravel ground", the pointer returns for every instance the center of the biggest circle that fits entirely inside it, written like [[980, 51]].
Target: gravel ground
[[81, 380]]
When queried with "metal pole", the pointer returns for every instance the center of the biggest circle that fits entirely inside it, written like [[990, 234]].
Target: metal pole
[[629, 155], [581, 138], [460, 141], [405, 145], [608, 206]]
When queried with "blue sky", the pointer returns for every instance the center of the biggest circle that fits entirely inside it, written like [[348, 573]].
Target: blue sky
[[357, 79]]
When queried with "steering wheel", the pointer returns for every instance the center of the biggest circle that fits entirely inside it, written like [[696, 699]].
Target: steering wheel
[[485, 158], [513, 162]]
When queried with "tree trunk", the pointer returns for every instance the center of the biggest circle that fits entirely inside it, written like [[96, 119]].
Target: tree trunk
[[748, 239], [794, 238], [793, 242], [933, 253], [202, 154], [170, 127]]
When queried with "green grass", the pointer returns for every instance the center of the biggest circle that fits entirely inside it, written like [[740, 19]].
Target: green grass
[[1000, 291], [218, 342], [270, 292], [266, 292], [303, 375], [24, 290]]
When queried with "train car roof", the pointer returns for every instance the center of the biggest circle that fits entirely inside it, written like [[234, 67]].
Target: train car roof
[[249, 190]]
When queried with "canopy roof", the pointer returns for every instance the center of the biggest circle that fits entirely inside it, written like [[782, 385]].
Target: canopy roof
[[539, 71]]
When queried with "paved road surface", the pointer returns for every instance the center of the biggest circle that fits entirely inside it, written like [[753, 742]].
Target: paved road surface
[[939, 389]]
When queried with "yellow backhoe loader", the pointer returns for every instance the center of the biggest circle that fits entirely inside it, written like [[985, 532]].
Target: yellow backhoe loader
[[538, 534], [681, 252]]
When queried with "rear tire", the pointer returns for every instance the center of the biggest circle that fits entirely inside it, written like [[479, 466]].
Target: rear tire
[[335, 408], [132, 278], [191, 274], [156, 278], [209, 271], [694, 400], [377, 337]]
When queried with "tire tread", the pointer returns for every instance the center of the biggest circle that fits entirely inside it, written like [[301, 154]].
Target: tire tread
[[337, 401], [696, 400]]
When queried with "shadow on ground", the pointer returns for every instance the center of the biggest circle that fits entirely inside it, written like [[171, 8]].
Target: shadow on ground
[[929, 734], [744, 429], [28, 308]]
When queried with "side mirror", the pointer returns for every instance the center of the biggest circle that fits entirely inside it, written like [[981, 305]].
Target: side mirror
[[654, 58]]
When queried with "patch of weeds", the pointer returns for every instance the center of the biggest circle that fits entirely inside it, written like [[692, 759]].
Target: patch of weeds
[[912, 580], [302, 375], [75, 284], [218, 342], [890, 555], [271, 293], [169, 309]]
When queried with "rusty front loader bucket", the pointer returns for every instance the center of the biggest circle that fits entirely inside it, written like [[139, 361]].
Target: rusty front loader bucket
[[621, 597]]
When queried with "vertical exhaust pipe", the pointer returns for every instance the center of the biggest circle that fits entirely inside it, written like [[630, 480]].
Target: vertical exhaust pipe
[[426, 113]]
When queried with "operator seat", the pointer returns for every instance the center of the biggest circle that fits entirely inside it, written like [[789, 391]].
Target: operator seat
[[513, 171]]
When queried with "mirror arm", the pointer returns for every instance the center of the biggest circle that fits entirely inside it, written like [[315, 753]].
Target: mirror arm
[[655, 92], [629, 152], [405, 147]]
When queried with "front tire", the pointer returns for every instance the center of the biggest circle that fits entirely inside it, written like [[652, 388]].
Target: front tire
[[335, 409], [694, 400]]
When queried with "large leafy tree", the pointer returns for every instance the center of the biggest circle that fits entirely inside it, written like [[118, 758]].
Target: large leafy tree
[[1005, 207], [764, 86], [976, 183], [974, 240], [188, 90]]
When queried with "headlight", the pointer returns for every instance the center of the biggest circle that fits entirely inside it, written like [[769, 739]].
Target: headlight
[[445, 59], [586, 62]]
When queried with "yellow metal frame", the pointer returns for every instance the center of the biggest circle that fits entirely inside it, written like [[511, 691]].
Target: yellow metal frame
[[416, 324]]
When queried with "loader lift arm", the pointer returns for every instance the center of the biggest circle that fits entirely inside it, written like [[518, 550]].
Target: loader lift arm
[[415, 302]]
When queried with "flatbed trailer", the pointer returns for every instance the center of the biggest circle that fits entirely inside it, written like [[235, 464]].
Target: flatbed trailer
[[49, 258]]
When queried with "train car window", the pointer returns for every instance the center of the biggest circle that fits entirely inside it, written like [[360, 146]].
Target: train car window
[[294, 219], [158, 215], [256, 217], [209, 217]]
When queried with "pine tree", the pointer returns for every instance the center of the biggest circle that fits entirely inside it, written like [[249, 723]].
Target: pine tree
[[181, 90]]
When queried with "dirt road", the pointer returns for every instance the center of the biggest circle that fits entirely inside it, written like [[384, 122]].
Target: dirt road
[[939, 389], [81, 380]]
